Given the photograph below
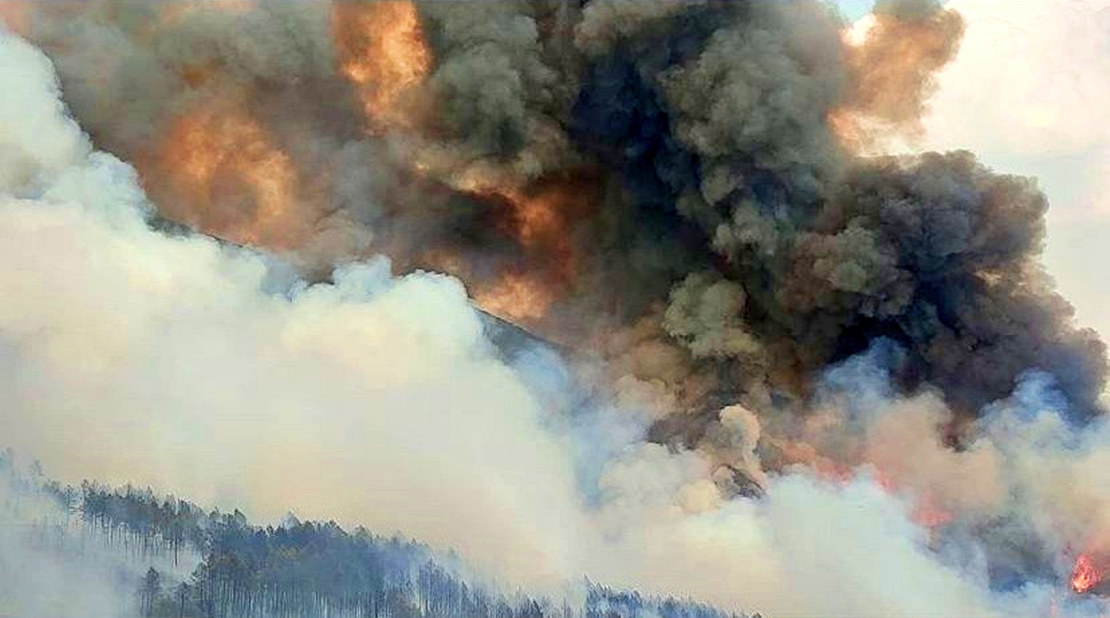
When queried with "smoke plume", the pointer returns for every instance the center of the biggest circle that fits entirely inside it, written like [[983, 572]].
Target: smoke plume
[[223, 225]]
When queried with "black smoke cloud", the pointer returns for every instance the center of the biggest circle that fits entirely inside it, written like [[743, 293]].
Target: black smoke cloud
[[717, 117]]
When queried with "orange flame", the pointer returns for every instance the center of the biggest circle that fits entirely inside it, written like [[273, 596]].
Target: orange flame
[[222, 160], [383, 52], [1086, 575]]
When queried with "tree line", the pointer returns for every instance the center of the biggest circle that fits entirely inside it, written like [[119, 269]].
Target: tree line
[[304, 569]]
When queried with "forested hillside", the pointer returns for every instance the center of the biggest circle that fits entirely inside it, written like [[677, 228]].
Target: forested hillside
[[296, 569]]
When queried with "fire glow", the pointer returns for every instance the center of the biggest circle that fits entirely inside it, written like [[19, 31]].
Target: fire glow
[[1085, 576], [682, 227], [213, 152], [383, 52]]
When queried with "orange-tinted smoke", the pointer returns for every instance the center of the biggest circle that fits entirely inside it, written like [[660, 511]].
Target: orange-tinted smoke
[[928, 514], [226, 175], [20, 15], [523, 297], [383, 52], [892, 61], [16, 15], [539, 219], [172, 10], [928, 510]]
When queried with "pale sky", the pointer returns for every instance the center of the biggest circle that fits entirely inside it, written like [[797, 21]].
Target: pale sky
[[854, 9], [1029, 93]]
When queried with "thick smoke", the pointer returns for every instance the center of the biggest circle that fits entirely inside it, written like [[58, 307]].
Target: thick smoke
[[773, 336], [828, 250], [571, 162], [179, 350], [893, 56]]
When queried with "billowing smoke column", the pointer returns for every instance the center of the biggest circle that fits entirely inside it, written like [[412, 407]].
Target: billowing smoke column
[[675, 193], [584, 167]]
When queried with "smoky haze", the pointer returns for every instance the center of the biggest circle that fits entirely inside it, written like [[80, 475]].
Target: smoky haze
[[765, 332]]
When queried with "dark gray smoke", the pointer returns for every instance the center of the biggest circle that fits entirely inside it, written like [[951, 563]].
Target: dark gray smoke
[[717, 118], [675, 193], [671, 186]]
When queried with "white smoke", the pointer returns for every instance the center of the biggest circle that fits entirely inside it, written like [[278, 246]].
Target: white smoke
[[186, 365], [51, 566], [37, 579], [129, 355]]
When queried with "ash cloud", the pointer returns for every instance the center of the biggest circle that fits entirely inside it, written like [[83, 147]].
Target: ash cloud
[[721, 121], [668, 188]]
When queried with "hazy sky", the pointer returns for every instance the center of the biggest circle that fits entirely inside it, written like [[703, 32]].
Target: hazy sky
[[1029, 93]]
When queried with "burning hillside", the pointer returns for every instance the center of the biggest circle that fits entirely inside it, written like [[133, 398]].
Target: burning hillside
[[1089, 575], [722, 350]]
